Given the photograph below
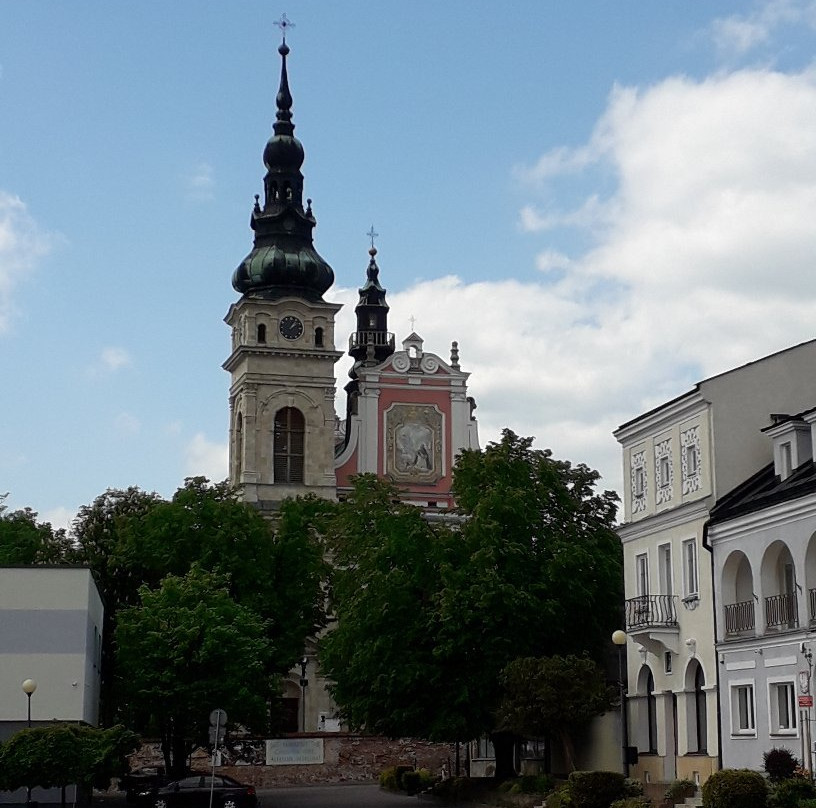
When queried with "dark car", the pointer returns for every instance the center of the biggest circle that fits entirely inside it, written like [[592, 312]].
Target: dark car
[[140, 784], [194, 792]]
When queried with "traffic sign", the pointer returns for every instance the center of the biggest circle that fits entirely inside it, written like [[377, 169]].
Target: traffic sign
[[218, 718]]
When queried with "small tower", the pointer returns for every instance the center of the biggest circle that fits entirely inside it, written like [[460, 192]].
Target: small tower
[[372, 318], [283, 354]]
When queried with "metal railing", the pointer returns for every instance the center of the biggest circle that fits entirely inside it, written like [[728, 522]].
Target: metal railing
[[739, 617], [781, 610], [363, 338], [651, 610]]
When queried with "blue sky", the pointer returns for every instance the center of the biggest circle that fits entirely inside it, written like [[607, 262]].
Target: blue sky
[[602, 202]]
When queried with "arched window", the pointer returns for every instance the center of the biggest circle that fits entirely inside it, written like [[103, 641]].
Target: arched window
[[239, 445], [651, 713], [318, 337], [261, 334], [700, 709], [288, 446]]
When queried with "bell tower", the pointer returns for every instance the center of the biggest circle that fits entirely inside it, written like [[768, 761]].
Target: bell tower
[[283, 354]]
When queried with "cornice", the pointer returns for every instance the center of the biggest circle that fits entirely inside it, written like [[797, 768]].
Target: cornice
[[773, 516], [665, 520], [679, 409]]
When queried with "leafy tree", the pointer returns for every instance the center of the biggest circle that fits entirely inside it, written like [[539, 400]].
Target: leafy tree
[[60, 755], [25, 541], [553, 696], [187, 649], [381, 655], [132, 539], [428, 619]]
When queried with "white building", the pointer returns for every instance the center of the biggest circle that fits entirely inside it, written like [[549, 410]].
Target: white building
[[763, 536], [50, 632], [678, 459]]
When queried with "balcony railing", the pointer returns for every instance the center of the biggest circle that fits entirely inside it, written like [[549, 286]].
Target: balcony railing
[[376, 338], [646, 611], [781, 611], [739, 617]]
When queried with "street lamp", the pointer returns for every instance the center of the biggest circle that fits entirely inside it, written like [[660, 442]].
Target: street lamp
[[29, 686], [303, 684], [619, 639]]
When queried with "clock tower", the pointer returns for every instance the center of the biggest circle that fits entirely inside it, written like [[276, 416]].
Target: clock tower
[[283, 355]]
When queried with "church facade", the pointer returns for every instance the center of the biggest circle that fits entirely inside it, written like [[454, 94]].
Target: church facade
[[407, 411]]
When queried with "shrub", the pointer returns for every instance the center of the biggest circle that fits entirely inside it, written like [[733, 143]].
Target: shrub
[[461, 789], [388, 779], [595, 789], [735, 788], [533, 784], [559, 798], [679, 790], [790, 793], [632, 787], [807, 804], [413, 782], [632, 802], [779, 764]]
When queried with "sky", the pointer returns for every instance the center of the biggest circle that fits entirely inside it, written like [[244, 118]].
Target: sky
[[602, 202]]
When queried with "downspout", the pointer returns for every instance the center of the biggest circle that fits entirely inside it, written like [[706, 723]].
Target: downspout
[[707, 546]]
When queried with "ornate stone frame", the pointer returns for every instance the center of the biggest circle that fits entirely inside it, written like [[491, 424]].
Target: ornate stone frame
[[414, 438]]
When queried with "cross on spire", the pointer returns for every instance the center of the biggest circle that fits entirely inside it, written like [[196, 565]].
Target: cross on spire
[[284, 23], [372, 235], [412, 320]]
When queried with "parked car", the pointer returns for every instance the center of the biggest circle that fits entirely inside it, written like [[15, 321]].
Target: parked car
[[140, 784], [194, 792]]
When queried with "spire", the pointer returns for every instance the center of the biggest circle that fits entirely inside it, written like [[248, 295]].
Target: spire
[[372, 341], [283, 259]]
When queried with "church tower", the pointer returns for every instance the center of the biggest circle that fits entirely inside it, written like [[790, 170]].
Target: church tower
[[283, 353]]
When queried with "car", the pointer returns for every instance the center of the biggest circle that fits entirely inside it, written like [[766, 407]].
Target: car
[[140, 784], [194, 792]]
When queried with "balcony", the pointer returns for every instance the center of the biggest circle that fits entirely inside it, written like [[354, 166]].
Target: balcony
[[651, 620], [361, 339], [782, 611], [739, 618]]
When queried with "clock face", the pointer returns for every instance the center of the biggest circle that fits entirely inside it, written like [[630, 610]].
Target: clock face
[[291, 327]]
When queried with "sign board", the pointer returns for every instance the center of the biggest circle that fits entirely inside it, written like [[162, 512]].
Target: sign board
[[805, 701], [218, 718], [294, 751]]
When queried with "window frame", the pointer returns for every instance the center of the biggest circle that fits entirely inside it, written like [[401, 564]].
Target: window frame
[[776, 686], [735, 689], [691, 570]]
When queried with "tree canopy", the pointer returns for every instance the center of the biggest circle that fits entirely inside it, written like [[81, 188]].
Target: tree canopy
[[428, 616], [553, 696], [185, 650], [24, 540]]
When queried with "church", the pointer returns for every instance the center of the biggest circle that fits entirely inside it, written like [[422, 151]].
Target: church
[[407, 412]]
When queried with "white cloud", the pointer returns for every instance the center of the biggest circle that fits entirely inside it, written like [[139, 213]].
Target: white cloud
[[206, 458], [115, 358], [200, 183], [703, 257], [127, 424], [22, 243], [59, 517]]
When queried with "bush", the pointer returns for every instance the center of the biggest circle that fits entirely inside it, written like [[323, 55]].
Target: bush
[[388, 779], [632, 802], [632, 787], [532, 784], [790, 793], [735, 788], [779, 764], [461, 789], [559, 798], [595, 789], [807, 804], [412, 782], [679, 790]]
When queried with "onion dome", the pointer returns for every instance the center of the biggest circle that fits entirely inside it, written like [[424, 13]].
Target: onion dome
[[283, 260], [372, 340]]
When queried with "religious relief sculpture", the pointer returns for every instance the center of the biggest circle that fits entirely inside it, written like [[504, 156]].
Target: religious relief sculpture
[[413, 443]]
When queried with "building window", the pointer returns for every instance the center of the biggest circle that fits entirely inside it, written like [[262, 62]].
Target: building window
[[288, 446], [691, 584], [651, 714], [664, 472], [667, 662], [700, 713], [261, 334], [642, 572], [318, 337], [638, 481], [742, 709], [785, 460], [664, 560], [783, 708], [690, 460]]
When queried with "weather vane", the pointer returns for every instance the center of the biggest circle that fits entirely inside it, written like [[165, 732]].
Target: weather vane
[[372, 235], [284, 23]]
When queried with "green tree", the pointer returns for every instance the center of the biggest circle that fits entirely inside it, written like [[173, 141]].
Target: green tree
[[553, 696], [427, 620], [60, 755], [186, 650], [133, 539], [24, 540], [381, 655]]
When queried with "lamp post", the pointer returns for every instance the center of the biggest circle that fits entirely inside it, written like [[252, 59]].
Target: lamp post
[[619, 639], [29, 686], [303, 684]]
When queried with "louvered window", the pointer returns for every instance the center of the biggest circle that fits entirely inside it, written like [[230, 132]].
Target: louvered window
[[289, 440]]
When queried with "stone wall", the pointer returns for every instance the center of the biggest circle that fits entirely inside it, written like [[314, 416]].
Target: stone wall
[[346, 757]]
